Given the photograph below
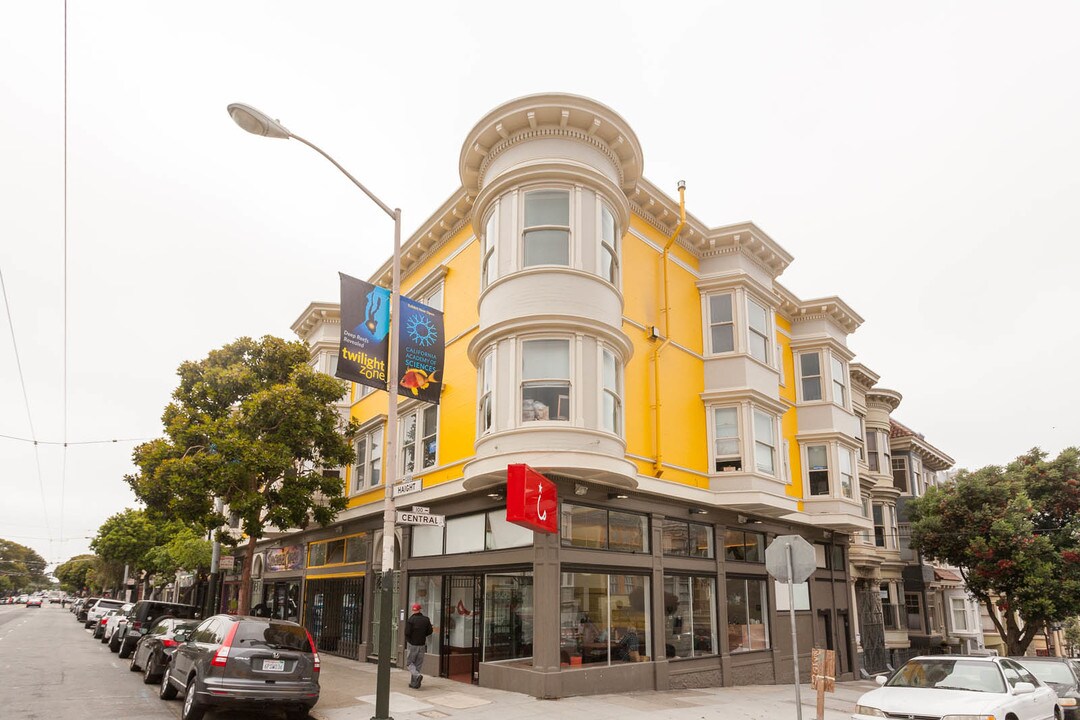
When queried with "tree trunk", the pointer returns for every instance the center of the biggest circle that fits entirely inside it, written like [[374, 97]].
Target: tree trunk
[[244, 600]]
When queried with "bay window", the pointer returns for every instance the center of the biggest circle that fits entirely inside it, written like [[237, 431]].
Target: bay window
[[758, 331], [368, 460], [611, 401], [810, 372], [879, 525], [726, 454], [609, 245], [899, 474], [764, 442], [545, 380], [721, 323], [847, 474], [546, 232], [491, 240], [839, 381], [817, 463], [486, 384], [872, 457]]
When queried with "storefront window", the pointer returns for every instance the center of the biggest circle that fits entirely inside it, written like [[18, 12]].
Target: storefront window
[[600, 529], [508, 616], [687, 539], [470, 533], [604, 619], [464, 534], [689, 616], [748, 627], [352, 549], [427, 590], [743, 546]]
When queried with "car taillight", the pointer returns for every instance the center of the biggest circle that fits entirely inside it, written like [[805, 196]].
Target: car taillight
[[314, 652], [221, 657], [169, 642], [134, 625]]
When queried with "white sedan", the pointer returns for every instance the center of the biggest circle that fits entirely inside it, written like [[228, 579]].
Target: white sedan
[[960, 687]]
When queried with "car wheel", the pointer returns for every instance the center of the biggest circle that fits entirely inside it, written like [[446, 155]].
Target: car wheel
[[149, 676], [133, 665], [114, 645], [193, 709], [125, 648], [166, 691]]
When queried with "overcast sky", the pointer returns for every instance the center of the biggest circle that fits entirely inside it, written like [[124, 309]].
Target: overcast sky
[[918, 159]]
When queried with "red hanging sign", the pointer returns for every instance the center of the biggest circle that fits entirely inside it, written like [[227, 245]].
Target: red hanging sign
[[531, 499]]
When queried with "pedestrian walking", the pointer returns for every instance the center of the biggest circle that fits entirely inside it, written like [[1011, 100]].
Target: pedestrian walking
[[417, 630]]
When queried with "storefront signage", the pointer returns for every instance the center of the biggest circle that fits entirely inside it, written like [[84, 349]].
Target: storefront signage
[[413, 517], [407, 488], [290, 557], [225, 562], [531, 499]]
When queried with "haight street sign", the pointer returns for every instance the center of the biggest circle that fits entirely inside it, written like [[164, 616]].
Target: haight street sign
[[411, 517], [407, 488]]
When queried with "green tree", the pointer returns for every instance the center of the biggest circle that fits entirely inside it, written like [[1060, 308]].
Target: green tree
[[76, 574], [1014, 533], [181, 548], [1072, 635], [21, 568], [125, 538], [252, 424]]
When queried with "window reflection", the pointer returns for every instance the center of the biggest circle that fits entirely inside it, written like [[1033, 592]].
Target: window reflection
[[604, 619]]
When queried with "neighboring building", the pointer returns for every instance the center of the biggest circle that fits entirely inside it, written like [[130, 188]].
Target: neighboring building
[[688, 407]]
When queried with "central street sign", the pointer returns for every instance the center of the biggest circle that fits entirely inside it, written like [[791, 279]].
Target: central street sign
[[407, 488], [419, 518]]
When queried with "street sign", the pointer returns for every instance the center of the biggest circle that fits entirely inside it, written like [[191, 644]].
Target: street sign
[[408, 488], [803, 562], [225, 562], [421, 509], [420, 518]]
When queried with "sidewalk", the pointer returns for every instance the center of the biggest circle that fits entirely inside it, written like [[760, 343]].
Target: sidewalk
[[348, 693]]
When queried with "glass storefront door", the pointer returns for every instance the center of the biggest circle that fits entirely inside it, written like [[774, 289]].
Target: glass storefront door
[[462, 610], [508, 616]]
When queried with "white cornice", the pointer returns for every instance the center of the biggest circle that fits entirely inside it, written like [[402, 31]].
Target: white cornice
[[315, 313], [863, 376], [830, 308]]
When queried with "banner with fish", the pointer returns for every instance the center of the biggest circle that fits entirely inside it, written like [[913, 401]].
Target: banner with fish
[[421, 351], [365, 330]]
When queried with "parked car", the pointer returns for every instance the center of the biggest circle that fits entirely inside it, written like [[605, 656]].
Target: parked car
[[113, 620], [971, 686], [1061, 675], [101, 607], [34, 601], [154, 649], [99, 626], [244, 662], [84, 607], [140, 618]]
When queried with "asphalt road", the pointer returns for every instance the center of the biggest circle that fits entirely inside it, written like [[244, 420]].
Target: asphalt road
[[52, 669]]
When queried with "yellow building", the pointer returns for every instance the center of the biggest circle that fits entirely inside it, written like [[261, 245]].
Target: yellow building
[[688, 407]]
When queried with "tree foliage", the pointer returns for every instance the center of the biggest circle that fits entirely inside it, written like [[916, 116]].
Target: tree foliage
[[78, 573], [21, 568], [125, 538], [1014, 533], [252, 424]]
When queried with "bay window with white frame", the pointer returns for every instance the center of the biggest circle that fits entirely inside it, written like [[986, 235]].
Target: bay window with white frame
[[764, 442], [489, 267], [838, 368], [609, 245], [721, 324], [610, 395], [419, 431], [368, 468], [545, 379], [486, 385], [546, 230], [810, 375], [727, 453], [757, 329], [817, 470]]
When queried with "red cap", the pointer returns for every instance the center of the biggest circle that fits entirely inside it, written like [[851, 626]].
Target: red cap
[[416, 607]]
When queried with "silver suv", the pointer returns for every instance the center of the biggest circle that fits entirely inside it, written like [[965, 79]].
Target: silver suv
[[243, 662]]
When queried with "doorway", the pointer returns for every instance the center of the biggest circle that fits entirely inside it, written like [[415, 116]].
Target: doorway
[[461, 623]]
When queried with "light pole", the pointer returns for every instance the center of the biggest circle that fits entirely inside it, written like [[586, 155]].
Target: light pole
[[259, 123]]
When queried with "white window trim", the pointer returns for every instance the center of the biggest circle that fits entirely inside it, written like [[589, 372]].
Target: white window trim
[[366, 438], [770, 334], [844, 382], [520, 372], [775, 440], [820, 376], [616, 392], [571, 220], [417, 412], [734, 323], [740, 423], [489, 248], [828, 469], [601, 205], [488, 358]]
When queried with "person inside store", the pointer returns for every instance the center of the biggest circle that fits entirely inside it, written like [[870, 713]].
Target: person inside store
[[629, 646], [417, 630]]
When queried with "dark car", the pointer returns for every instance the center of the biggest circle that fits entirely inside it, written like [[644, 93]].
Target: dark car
[[141, 618], [244, 662], [84, 607], [1062, 675], [154, 649]]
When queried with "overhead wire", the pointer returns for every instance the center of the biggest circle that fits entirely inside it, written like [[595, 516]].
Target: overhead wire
[[74, 442], [63, 459]]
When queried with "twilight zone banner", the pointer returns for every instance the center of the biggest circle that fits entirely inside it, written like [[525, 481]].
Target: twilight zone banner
[[365, 327], [421, 351]]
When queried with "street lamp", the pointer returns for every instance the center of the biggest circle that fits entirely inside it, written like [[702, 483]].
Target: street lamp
[[257, 122]]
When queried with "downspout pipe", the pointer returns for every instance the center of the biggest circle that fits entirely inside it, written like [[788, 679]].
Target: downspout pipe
[[658, 468]]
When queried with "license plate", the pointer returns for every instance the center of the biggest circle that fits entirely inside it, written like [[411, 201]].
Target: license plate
[[274, 665]]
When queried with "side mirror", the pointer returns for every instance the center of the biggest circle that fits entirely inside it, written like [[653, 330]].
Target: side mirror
[[881, 679], [1023, 688]]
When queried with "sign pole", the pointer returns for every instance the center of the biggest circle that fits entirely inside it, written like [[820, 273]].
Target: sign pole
[[794, 632]]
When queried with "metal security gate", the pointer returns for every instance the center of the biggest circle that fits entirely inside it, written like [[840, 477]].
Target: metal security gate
[[332, 614], [871, 627], [462, 622]]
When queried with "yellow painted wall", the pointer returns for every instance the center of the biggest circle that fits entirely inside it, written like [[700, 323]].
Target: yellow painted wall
[[789, 423], [457, 403], [684, 441]]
